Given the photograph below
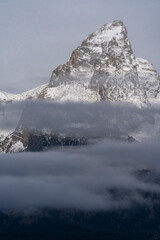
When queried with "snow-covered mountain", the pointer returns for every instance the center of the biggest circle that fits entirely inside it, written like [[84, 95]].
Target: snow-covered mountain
[[148, 78], [31, 94], [103, 68]]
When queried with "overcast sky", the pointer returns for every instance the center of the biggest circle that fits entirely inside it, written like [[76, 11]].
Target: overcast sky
[[36, 36]]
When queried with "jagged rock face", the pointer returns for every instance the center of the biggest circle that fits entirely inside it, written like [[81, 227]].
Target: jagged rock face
[[36, 141], [148, 77], [104, 67], [105, 64], [105, 52]]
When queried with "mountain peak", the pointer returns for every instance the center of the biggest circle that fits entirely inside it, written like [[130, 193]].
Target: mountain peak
[[117, 23], [115, 31], [110, 30], [103, 67], [107, 47], [104, 63]]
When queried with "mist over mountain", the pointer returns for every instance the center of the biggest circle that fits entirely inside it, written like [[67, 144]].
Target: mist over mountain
[[81, 178], [103, 69], [82, 152], [41, 125]]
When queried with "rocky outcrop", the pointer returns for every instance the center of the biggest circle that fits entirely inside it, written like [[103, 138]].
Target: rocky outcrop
[[148, 78], [37, 141], [106, 67]]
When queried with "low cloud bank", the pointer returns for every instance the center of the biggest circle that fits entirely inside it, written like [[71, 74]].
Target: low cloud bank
[[104, 176], [78, 119]]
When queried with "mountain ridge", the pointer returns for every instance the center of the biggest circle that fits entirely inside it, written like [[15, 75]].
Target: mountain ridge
[[103, 67], [30, 94]]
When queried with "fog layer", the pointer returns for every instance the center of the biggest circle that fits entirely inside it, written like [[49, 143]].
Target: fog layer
[[104, 176], [87, 120]]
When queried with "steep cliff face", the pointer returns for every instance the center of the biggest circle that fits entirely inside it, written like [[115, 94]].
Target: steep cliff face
[[105, 52], [148, 77], [105, 68]]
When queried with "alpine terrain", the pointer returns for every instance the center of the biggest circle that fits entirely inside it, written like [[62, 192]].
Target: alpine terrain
[[104, 68]]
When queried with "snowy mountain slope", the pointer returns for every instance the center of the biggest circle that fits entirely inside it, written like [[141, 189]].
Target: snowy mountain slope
[[31, 94], [75, 92], [107, 51], [105, 64], [103, 68], [148, 77]]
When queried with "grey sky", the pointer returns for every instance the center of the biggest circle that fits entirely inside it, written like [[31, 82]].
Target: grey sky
[[36, 36]]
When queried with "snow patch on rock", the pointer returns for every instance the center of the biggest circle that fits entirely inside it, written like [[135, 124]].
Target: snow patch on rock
[[31, 94], [17, 147], [72, 92], [148, 77]]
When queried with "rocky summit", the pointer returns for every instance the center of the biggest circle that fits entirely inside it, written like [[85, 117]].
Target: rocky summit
[[104, 68]]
